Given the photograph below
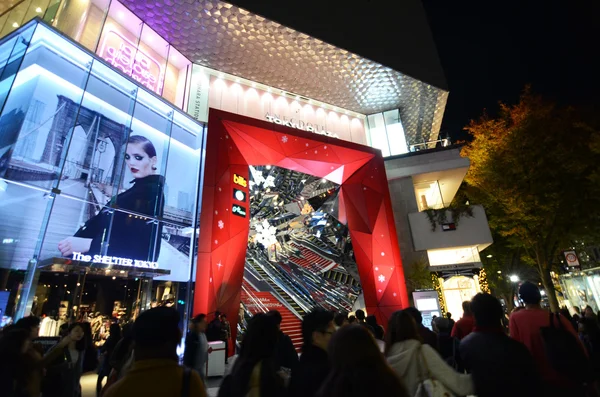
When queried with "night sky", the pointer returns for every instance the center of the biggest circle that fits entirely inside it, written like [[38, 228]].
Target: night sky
[[489, 50]]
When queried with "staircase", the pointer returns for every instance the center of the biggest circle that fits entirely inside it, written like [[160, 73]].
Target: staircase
[[290, 325], [280, 291]]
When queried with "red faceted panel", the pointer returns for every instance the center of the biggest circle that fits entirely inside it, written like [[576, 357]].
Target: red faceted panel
[[235, 142]]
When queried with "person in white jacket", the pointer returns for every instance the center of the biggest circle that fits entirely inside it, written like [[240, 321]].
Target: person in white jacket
[[405, 354]]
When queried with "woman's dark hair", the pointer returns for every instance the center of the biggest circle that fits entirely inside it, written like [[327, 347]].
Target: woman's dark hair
[[145, 142], [259, 345], [81, 344], [28, 322], [358, 368], [401, 327], [115, 331]]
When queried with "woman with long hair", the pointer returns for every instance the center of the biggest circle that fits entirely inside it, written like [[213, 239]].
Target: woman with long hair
[[64, 364], [254, 373], [416, 362], [132, 237], [106, 350], [358, 368]]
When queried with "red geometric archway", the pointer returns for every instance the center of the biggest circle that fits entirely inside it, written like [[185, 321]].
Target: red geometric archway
[[235, 142]]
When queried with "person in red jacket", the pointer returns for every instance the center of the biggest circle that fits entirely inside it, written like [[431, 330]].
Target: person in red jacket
[[525, 326], [464, 326]]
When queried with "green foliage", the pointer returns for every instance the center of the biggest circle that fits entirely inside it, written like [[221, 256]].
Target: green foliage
[[440, 216], [535, 168], [418, 276]]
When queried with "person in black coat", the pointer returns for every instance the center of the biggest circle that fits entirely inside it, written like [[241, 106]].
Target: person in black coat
[[499, 365], [131, 236], [314, 365], [286, 355]]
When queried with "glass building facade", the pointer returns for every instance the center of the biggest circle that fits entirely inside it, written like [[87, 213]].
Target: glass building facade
[[91, 172]]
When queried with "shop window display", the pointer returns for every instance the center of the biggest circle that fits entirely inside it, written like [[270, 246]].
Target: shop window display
[[92, 167]]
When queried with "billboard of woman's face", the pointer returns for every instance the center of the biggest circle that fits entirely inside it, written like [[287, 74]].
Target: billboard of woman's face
[[85, 170], [140, 157], [128, 237]]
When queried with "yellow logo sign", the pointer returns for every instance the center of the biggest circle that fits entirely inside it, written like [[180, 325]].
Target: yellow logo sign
[[240, 180]]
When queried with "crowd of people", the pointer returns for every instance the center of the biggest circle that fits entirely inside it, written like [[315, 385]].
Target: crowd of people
[[543, 354]]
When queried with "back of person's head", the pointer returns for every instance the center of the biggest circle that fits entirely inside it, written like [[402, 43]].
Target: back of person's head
[[198, 318], [530, 293], [401, 327], [360, 315], [276, 316], [416, 315], [487, 310], [358, 367], [217, 314], [351, 319], [443, 325], [29, 323], [115, 331], [372, 321], [448, 315], [316, 321], [156, 333], [340, 319], [466, 306], [260, 339]]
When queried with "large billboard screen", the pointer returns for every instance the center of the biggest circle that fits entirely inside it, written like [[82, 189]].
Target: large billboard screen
[[93, 164]]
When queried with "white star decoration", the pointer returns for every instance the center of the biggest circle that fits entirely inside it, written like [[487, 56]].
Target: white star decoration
[[381, 278], [382, 253], [216, 241], [377, 269], [379, 290], [219, 264], [216, 212], [284, 139], [221, 224], [307, 145], [394, 294]]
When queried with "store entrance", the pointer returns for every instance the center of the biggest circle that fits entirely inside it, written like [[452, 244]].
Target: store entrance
[[69, 291]]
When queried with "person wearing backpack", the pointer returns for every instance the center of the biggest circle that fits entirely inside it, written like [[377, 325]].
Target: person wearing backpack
[[550, 339]]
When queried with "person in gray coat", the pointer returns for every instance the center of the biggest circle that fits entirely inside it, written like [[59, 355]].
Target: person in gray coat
[[195, 354]]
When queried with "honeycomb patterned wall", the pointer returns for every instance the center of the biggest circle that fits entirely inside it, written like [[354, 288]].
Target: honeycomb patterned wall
[[232, 40]]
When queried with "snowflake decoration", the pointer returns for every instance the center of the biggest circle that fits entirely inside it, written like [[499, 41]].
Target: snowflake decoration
[[324, 147], [210, 280], [221, 224], [265, 233], [284, 139], [381, 278], [219, 189]]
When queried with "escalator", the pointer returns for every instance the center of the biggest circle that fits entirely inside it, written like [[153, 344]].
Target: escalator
[[289, 300]]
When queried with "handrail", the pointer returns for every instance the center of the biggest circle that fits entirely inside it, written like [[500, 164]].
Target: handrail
[[295, 289], [9, 9], [283, 287], [255, 300]]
